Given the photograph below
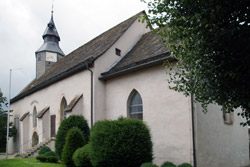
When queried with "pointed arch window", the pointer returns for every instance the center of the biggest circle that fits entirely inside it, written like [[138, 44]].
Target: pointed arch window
[[34, 117], [63, 107], [135, 106]]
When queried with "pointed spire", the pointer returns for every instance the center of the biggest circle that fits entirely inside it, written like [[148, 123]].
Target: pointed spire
[[51, 29], [51, 38]]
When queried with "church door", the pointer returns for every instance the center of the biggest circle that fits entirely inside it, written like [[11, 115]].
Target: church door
[[53, 125]]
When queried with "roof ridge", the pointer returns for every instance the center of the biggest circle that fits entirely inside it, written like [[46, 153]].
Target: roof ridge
[[142, 12], [65, 57], [90, 50]]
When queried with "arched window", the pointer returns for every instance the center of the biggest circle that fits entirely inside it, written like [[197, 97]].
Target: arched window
[[35, 139], [135, 108], [34, 117], [63, 107]]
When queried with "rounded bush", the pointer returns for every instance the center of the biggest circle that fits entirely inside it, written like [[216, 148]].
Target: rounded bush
[[50, 153], [67, 124], [74, 140], [52, 159], [185, 165], [123, 143], [168, 164], [148, 164], [43, 150], [41, 158], [81, 156]]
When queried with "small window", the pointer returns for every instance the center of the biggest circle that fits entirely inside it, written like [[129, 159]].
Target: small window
[[228, 117], [34, 117], [63, 107], [135, 106], [117, 52]]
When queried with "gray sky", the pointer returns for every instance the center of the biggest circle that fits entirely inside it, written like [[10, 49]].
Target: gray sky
[[22, 23]]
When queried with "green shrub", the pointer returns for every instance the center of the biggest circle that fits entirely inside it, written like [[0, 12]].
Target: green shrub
[[81, 156], [71, 121], [50, 153], [123, 143], [168, 164], [185, 165], [74, 140], [148, 164], [43, 150], [52, 159], [41, 158]]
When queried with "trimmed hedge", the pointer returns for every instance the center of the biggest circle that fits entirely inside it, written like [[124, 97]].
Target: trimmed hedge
[[72, 121], [148, 164], [185, 165], [52, 159], [41, 158], [74, 140], [44, 158], [123, 142], [50, 153], [81, 157], [43, 150], [168, 164]]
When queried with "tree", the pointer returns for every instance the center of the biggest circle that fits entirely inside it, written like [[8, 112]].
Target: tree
[[211, 42], [72, 121], [74, 139], [3, 122]]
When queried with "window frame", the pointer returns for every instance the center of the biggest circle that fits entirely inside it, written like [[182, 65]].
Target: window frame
[[34, 117], [63, 106], [136, 114]]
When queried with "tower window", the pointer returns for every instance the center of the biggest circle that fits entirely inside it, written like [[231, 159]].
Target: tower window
[[117, 52]]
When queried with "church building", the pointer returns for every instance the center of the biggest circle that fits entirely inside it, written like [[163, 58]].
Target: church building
[[121, 73]]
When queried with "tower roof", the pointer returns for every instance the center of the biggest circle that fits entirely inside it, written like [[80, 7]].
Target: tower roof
[[51, 39], [51, 29]]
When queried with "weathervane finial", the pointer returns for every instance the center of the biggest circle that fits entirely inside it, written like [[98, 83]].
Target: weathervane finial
[[52, 8]]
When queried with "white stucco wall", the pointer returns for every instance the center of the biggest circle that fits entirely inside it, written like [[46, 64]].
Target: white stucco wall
[[103, 63], [78, 108], [79, 83], [220, 144], [166, 112], [45, 126], [25, 142], [51, 96]]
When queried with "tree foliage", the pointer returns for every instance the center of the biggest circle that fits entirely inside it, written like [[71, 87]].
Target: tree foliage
[[74, 140], [81, 156], [123, 142], [3, 122], [211, 41], [43, 150], [72, 121]]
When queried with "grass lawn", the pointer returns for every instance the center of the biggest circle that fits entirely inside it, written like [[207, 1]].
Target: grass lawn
[[28, 162]]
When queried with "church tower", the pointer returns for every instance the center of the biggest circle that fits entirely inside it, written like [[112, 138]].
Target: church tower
[[50, 52]]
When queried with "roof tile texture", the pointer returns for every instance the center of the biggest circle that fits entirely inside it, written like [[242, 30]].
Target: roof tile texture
[[92, 49]]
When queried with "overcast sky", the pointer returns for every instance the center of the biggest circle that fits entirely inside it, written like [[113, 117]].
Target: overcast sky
[[22, 23]]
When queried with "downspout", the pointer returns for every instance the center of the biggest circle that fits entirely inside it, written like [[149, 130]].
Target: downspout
[[91, 98], [193, 131]]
